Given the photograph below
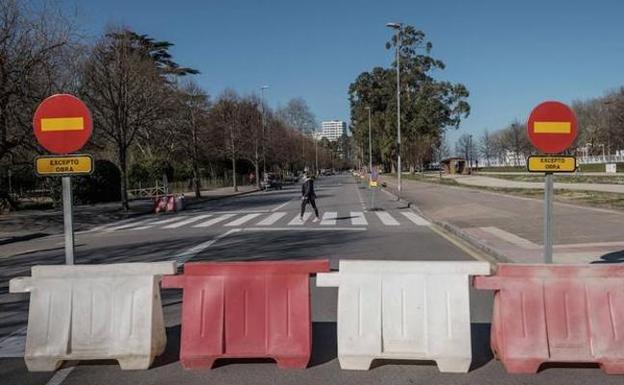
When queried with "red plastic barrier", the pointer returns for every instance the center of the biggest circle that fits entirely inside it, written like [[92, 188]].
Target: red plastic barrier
[[245, 310], [557, 313]]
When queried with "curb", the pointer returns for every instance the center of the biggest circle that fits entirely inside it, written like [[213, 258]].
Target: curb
[[455, 231]]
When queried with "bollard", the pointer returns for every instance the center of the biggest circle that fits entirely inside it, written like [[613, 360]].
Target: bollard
[[557, 313], [86, 312], [246, 310], [404, 310]]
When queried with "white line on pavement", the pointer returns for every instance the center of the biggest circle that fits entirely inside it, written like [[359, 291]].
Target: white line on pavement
[[215, 220], [510, 238], [133, 224], [305, 228], [386, 218], [296, 221], [282, 205], [417, 219], [242, 220], [162, 222], [186, 255], [14, 344], [329, 218], [358, 218], [61, 374], [271, 219], [187, 222]]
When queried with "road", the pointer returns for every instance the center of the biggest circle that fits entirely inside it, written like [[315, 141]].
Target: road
[[264, 226]]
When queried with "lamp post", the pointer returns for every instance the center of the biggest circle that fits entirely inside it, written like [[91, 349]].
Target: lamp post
[[263, 129], [370, 142], [316, 139], [397, 27]]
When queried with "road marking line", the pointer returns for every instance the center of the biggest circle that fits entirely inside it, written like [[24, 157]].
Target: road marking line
[[188, 221], [386, 218], [152, 224], [282, 205], [305, 229], [62, 374], [242, 220], [329, 218], [268, 221], [13, 345], [133, 224], [510, 238], [186, 255], [358, 218], [215, 220], [417, 219], [298, 222], [104, 226]]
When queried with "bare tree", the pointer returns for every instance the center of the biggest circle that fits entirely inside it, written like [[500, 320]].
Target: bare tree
[[225, 118], [486, 147], [125, 92], [35, 40]]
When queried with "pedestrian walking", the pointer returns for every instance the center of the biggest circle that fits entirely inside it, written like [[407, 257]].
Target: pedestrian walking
[[308, 196]]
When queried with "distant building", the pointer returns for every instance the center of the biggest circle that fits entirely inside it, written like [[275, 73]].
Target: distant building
[[333, 129]]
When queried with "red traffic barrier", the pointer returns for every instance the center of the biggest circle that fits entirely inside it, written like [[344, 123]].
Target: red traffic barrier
[[246, 310], [557, 313]]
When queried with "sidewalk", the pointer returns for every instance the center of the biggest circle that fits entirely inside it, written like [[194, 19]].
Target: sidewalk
[[485, 181], [29, 224], [511, 227]]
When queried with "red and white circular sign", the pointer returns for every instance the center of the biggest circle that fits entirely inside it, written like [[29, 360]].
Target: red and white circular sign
[[552, 127], [62, 124]]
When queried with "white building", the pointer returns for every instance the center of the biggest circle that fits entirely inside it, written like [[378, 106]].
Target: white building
[[333, 129]]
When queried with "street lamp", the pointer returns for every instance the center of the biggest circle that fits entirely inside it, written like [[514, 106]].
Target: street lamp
[[397, 27], [370, 142], [263, 129]]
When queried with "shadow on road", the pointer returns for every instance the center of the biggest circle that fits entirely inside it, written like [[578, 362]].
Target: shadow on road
[[612, 257]]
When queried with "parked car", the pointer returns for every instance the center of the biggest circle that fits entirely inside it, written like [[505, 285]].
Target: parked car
[[272, 181]]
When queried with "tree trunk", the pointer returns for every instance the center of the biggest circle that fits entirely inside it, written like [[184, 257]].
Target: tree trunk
[[196, 179], [257, 165], [123, 168], [234, 174]]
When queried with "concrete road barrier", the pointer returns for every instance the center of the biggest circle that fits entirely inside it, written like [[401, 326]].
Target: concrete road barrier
[[246, 310], [557, 313], [86, 312], [404, 310]]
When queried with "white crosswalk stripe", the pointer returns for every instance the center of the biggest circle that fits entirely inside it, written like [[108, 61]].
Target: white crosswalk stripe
[[266, 219], [358, 218], [329, 218], [298, 222], [214, 221], [242, 220], [386, 218], [417, 219], [194, 219], [128, 225], [271, 219]]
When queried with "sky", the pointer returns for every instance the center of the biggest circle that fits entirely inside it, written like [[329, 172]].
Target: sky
[[510, 54]]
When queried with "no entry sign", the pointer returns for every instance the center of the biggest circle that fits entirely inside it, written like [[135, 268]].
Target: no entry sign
[[552, 127], [62, 124]]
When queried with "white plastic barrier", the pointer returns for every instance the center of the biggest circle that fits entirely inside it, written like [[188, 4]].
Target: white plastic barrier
[[404, 310], [80, 312]]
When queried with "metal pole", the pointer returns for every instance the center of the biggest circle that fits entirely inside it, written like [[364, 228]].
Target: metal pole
[[68, 219], [263, 132], [548, 214], [370, 143], [316, 152], [398, 36]]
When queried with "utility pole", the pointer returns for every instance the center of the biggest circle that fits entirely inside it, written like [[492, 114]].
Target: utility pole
[[370, 142], [397, 27], [264, 140]]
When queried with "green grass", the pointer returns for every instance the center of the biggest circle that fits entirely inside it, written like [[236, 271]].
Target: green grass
[[602, 179]]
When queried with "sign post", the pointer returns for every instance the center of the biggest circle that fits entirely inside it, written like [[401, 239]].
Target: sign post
[[62, 125], [552, 129]]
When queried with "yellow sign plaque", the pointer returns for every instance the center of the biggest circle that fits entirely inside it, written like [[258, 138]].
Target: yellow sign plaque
[[64, 165], [372, 183], [538, 163]]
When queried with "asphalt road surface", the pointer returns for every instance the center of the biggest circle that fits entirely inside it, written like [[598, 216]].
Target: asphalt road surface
[[264, 226]]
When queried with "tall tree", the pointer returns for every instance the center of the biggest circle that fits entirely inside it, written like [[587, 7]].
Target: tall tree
[[428, 106], [125, 85], [36, 41], [225, 118]]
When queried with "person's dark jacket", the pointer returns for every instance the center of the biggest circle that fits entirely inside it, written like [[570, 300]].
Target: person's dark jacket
[[307, 189]]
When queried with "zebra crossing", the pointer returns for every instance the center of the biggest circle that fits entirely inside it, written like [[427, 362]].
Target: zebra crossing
[[328, 220]]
